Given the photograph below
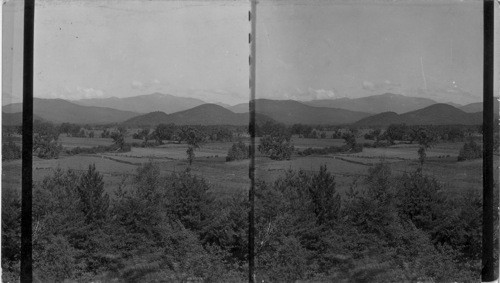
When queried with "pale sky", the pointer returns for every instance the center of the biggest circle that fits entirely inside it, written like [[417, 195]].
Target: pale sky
[[305, 49], [330, 49], [86, 49]]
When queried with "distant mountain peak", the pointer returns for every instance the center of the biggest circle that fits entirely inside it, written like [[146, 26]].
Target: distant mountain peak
[[376, 103], [145, 103], [205, 114], [436, 114]]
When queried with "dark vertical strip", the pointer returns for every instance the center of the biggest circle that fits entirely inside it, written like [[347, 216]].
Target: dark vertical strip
[[251, 193], [488, 263], [27, 155]]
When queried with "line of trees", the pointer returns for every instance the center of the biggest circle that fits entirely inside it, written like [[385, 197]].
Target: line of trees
[[180, 133], [410, 133]]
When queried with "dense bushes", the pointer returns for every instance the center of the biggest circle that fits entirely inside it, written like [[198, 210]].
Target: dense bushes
[[397, 228], [158, 227], [323, 151], [45, 136], [98, 149], [470, 150], [277, 147], [350, 146], [394, 227], [10, 151], [238, 151], [11, 234]]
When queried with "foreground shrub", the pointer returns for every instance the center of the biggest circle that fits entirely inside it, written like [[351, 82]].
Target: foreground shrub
[[10, 151]]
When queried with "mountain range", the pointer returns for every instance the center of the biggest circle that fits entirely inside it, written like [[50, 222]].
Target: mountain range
[[206, 114], [375, 104], [15, 119], [436, 114], [60, 111], [284, 111], [293, 112], [144, 103], [477, 107]]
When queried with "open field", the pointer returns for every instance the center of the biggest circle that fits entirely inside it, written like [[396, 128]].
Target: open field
[[301, 143], [71, 142], [229, 178], [409, 151]]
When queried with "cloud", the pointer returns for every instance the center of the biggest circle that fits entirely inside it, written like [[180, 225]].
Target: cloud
[[145, 86], [75, 93], [137, 85], [312, 94], [380, 86], [368, 86], [89, 92], [321, 93]]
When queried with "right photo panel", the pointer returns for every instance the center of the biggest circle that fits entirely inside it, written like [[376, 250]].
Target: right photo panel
[[369, 144]]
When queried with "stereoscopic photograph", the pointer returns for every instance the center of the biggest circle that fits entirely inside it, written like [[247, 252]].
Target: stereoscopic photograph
[[248, 141]]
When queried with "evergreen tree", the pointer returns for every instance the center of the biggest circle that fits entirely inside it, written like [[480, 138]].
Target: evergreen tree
[[94, 200]]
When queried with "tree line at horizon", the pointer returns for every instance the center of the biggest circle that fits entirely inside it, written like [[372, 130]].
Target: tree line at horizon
[[275, 138]]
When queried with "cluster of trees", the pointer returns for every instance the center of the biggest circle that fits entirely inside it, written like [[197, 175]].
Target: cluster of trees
[[397, 228], [403, 132], [307, 131], [238, 151], [159, 227], [72, 130], [470, 150], [10, 151], [276, 147], [45, 140], [350, 146], [180, 133], [373, 135], [401, 227]]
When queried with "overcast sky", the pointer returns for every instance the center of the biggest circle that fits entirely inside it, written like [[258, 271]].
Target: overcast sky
[[86, 49], [329, 49], [305, 49]]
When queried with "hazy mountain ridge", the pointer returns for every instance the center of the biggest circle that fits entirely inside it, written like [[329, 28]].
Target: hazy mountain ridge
[[294, 112], [145, 103], [284, 111], [206, 114], [437, 114], [387, 102], [478, 107], [60, 111], [15, 119]]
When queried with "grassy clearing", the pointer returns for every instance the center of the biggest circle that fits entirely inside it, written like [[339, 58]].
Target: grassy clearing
[[229, 178], [409, 151], [72, 142], [300, 143]]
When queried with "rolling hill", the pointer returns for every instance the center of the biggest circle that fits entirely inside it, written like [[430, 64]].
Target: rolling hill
[[59, 111], [476, 107], [145, 103], [292, 112], [387, 102], [239, 108], [206, 114], [15, 119], [437, 114]]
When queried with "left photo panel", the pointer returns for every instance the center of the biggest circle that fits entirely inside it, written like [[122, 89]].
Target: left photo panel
[[140, 157]]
